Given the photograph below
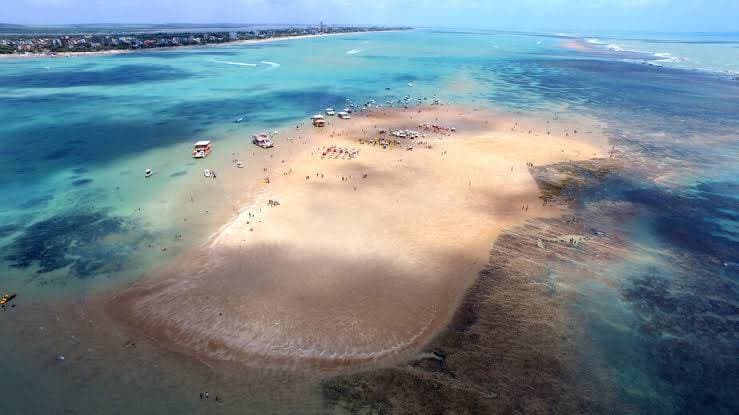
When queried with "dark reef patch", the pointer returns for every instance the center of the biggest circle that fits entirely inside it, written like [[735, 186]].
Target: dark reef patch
[[81, 182], [691, 218], [690, 330], [73, 239], [49, 101], [75, 77], [618, 90], [6, 230], [59, 153], [35, 202], [178, 173], [580, 182]]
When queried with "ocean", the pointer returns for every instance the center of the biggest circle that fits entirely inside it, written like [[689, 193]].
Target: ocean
[[656, 331]]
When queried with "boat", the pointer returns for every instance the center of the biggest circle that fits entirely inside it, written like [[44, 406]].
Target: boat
[[208, 173], [262, 140], [202, 149], [318, 121], [343, 115], [6, 299], [239, 119], [330, 112], [148, 173], [239, 164]]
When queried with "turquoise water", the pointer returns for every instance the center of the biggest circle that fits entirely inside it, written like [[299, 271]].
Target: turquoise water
[[79, 217]]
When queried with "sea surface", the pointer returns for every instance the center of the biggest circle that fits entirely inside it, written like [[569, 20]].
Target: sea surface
[[78, 218]]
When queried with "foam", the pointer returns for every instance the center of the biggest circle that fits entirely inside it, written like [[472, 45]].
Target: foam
[[272, 65], [234, 63]]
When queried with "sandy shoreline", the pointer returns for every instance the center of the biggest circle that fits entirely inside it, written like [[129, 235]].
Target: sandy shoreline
[[365, 258], [232, 43]]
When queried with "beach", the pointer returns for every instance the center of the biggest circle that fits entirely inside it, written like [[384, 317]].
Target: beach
[[365, 257], [126, 51]]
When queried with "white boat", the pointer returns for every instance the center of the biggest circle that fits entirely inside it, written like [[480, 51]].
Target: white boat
[[239, 164], [148, 173], [202, 149], [262, 140], [239, 119], [207, 173], [343, 115], [330, 112], [318, 120]]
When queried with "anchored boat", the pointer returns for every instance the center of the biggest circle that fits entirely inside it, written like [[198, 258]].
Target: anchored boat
[[262, 140], [318, 120], [202, 149]]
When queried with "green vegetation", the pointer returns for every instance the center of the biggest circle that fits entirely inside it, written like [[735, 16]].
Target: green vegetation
[[88, 42]]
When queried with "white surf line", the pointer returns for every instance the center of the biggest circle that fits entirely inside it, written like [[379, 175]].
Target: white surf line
[[353, 52], [271, 64], [234, 63]]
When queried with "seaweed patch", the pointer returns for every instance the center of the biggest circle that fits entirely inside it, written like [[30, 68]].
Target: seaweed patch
[[72, 239]]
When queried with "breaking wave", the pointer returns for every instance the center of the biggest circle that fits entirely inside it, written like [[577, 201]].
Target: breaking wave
[[272, 65], [234, 63]]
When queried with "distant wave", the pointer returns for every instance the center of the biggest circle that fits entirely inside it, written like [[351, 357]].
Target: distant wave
[[658, 57], [666, 57], [353, 52], [612, 46], [234, 63]]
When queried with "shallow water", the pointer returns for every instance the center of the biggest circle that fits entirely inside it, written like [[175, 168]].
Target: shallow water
[[78, 217]]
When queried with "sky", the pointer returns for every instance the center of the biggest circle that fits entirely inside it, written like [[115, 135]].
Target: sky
[[556, 15]]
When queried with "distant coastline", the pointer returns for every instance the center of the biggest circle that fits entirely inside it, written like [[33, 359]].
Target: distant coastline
[[36, 55]]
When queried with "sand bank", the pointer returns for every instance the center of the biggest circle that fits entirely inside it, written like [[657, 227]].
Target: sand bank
[[365, 258]]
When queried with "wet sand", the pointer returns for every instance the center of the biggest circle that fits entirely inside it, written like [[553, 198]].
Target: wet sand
[[348, 269]]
